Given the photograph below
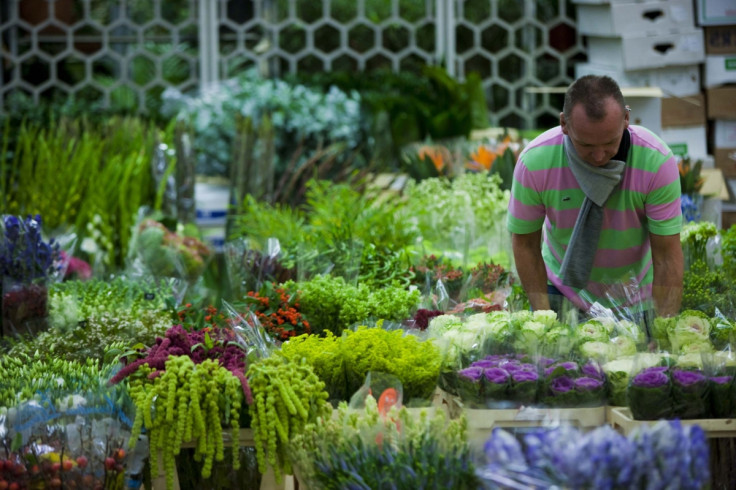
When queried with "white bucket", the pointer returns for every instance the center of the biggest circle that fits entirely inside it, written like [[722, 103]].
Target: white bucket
[[211, 211]]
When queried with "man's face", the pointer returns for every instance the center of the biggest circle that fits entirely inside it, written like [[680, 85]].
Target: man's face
[[596, 141]]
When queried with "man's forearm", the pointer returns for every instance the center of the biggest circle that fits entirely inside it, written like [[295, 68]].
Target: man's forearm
[[531, 270], [668, 266]]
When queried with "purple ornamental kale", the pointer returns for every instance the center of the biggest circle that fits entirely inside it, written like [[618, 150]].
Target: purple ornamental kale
[[471, 374], [563, 384], [593, 370], [587, 384], [567, 366], [524, 376], [682, 377], [496, 376], [655, 377]]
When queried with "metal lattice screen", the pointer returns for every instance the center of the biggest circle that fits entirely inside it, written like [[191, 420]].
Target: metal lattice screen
[[124, 53]]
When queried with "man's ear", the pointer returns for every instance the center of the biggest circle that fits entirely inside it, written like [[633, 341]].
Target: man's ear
[[563, 124], [626, 117]]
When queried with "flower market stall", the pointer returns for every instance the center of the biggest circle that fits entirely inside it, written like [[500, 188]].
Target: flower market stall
[[344, 335]]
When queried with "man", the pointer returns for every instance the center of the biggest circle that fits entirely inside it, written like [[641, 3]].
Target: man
[[595, 204]]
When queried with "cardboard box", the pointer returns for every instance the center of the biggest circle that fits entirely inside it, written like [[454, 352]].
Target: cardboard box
[[675, 81], [724, 133], [636, 52], [719, 70], [687, 141], [720, 39], [683, 111], [652, 18], [721, 102], [725, 159], [715, 12], [645, 111]]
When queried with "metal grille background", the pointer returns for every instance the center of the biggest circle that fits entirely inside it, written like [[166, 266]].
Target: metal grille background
[[124, 53]]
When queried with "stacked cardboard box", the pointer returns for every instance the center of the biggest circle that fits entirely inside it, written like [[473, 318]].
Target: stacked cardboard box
[[650, 44], [718, 19]]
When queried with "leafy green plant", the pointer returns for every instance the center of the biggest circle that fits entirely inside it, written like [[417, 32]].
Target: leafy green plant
[[412, 451], [298, 114], [339, 228], [330, 304], [461, 218], [85, 178]]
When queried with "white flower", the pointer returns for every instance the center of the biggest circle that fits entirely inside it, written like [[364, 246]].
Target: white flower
[[546, 317], [596, 350]]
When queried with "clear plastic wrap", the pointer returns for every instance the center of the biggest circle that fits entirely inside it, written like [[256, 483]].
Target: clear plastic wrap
[[157, 251], [77, 441]]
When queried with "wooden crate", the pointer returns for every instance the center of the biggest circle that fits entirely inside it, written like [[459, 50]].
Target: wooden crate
[[482, 422], [243, 438], [622, 420]]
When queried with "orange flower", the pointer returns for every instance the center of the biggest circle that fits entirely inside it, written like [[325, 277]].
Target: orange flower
[[482, 158], [433, 153]]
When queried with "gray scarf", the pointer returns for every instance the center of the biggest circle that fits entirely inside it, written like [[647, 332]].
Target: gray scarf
[[597, 183]]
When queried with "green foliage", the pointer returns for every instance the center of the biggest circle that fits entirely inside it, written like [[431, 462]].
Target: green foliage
[[299, 115], [706, 289], [90, 179], [367, 448], [25, 376], [430, 104], [339, 229], [331, 304], [324, 354], [728, 251], [456, 217], [416, 363]]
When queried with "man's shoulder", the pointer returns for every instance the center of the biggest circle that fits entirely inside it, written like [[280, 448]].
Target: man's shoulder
[[643, 138], [538, 150]]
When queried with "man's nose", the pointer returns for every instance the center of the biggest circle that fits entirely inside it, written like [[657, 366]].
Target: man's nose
[[598, 155]]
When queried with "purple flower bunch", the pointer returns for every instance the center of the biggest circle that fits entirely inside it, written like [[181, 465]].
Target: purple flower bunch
[[665, 455], [570, 384], [661, 392], [24, 255], [499, 381]]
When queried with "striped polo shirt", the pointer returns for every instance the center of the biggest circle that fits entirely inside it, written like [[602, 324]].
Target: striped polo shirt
[[545, 195]]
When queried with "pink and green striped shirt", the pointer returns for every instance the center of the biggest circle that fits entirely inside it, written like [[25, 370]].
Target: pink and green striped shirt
[[545, 195]]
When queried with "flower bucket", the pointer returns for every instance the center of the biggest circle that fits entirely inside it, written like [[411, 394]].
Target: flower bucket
[[24, 308]]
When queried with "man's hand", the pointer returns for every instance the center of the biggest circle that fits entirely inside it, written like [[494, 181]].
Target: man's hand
[[530, 267], [668, 264]]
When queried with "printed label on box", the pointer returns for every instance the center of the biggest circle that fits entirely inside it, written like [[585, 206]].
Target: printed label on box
[[679, 149], [730, 64]]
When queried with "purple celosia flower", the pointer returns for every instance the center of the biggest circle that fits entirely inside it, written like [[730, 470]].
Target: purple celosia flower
[[587, 384], [472, 374], [563, 384], [592, 370], [721, 380], [496, 376], [687, 378], [523, 376], [651, 378]]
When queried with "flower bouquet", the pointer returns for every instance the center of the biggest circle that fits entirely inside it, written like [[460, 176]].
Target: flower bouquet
[[571, 384], [368, 448], [499, 381], [664, 455], [78, 445], [650, 394], [27, 263], [160, 252]]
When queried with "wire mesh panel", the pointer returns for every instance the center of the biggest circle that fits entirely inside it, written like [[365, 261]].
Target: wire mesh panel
[[109, 53], [122, 54]]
